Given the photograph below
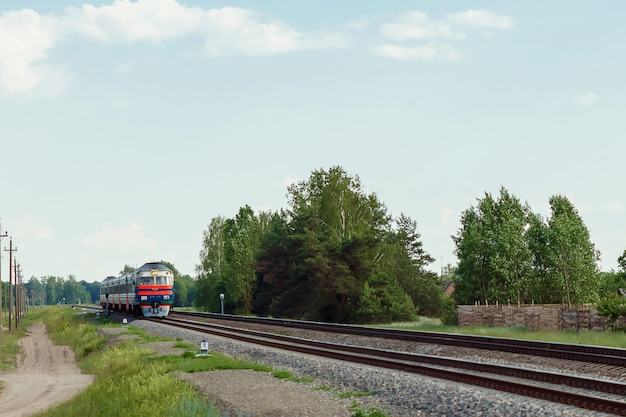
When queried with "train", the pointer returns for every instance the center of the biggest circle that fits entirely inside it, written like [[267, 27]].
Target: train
[[147, 291]]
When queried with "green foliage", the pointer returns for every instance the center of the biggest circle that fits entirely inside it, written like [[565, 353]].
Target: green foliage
[[612, 308], [494, 258], [128, 373], [509, 254], [358, 411], [610, 282], [350, 394], [191, 363], [384, 303], [572, 257], [192, 407], [53, 290], [408, 265], [70, 329], [333, 255], [621, 262], [228, 257], [286, 375], [184, 291], [449, 315]]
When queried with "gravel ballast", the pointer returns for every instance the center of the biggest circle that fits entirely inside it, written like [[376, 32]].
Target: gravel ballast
[[396, 393]]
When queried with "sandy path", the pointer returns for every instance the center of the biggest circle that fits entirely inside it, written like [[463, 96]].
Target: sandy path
[[46, 375]]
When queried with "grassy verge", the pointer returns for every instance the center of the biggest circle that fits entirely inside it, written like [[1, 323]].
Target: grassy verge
[[9, 348], [139, 383], [606, 338]]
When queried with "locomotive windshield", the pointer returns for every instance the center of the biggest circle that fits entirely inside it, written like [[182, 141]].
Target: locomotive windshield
[[159, 280]]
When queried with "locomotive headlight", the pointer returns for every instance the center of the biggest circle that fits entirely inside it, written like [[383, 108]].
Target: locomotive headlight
[[166, 297], [144, 297]]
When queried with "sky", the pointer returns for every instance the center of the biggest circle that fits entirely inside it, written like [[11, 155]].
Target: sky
[[126, 126]]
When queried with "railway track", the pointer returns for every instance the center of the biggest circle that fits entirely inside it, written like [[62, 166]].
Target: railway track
[[587, 393], [581, 353]]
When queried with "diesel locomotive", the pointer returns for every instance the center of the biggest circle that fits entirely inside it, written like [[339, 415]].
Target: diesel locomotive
[[148, 291]]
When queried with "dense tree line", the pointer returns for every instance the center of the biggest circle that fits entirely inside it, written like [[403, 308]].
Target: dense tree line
[[508, 254], [334, 254], [57, 290]]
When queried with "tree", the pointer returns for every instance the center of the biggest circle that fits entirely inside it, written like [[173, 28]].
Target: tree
[[53, 289], [93, 289], [340, 230], [228, 259], [332, 255], [127, 270], [410, 261], [184, 291], [212, 260], [541, 288], [242, 242], [494, 256], [612, 307], [36, 292], [572, 258], [621, 262]]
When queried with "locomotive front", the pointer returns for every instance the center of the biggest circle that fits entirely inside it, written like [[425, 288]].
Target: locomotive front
[[154, 290]]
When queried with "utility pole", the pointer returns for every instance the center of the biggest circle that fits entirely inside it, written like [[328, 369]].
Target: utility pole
[[18, 294], [5, 234], [11, 250]]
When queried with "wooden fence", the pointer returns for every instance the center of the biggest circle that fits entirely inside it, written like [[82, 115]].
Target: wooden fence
[[533, 317]]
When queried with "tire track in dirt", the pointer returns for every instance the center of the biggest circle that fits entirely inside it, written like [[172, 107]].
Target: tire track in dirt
[[46, 375]]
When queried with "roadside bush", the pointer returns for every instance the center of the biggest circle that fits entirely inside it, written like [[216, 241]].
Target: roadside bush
[[449, 315], [612, 307]]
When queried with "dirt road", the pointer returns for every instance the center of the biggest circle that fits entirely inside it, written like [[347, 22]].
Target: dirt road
[[46, 375]]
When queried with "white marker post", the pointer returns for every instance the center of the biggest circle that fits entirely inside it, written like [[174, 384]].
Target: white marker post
[[204, 348]]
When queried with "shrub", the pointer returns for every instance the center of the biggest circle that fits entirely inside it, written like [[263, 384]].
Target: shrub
[[449, 315], [612, 307]]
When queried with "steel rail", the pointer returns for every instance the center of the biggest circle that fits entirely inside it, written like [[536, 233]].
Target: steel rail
[[575, 352], [423, 364]]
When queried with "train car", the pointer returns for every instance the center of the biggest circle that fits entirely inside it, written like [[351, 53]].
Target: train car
[[147, 291]]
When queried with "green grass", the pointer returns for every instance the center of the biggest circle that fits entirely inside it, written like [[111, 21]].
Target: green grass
[[358, 411], [350, 394], [606, 338], [140, 382], [10, 348]]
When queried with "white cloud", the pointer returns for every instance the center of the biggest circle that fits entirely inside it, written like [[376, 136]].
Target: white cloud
[[127, 237], [586, 99], [445, 52], [25, 38], [232, 30], [228, 30], [423, 32], [483, 19], [417, 25], [126, 21], [29, 226]]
